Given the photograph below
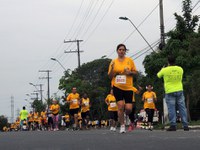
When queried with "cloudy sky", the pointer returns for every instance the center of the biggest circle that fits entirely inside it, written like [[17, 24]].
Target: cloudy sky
[[33, 31]]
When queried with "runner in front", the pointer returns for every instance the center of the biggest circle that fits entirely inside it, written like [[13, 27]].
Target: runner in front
[[74, 103]]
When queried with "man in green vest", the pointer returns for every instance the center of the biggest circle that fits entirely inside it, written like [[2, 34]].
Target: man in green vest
[[174, 95], [23, 115]]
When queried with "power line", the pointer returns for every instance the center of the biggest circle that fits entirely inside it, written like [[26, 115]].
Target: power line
[[82, 23], [94, 18], [67, 35], [137, 27], [48, 85], [78, 12], [74, 21], [87, 15], [83, 20], [92, 32], [141, 22], [97, 25], [196, 4], [144, 52], [145, 49]]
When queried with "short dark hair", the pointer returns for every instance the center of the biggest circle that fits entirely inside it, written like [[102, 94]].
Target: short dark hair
[[171, 59], [118, 46], [149, 84], [24, 107]]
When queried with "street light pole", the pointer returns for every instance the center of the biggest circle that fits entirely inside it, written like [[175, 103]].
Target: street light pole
[[54, 59], [34, 86], [38, 89], [125, 18]]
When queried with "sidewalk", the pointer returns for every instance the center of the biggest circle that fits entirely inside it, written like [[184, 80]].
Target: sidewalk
[[192, 127]]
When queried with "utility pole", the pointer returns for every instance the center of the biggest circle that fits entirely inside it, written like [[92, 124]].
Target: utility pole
[[162, 28], [40, 91], [12, 109], [35, 93], [48, 86], [17, 112], [77, 51]]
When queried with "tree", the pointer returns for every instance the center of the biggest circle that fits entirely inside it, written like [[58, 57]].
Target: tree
[[90, 78], [38, 105], [3, 122], [184, 43]]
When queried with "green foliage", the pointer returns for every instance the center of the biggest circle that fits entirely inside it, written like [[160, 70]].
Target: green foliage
[[90, 78], [38, 105], [3, 122]]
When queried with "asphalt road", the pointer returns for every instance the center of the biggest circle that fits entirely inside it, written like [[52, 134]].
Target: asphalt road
[[100, 139]]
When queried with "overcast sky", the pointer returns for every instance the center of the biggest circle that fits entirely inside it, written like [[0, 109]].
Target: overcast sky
[[33, 31]]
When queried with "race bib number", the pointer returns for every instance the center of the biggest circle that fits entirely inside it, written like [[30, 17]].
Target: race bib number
[[86, 103], [120, 79], [112, 105], [74, 101], [150, 100]]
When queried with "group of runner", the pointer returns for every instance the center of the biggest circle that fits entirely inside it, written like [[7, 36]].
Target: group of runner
[[78, 116], [121, 71], [121, 100]]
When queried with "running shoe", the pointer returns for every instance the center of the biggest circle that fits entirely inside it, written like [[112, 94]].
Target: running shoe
[[150, 128], [186, 128], [111, 128], [131, 127], [114, 129], [122, 129], [172, 128]]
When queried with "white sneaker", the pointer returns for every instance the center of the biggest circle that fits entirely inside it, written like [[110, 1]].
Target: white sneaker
[[114, 129], [111, 128], [122, 129]]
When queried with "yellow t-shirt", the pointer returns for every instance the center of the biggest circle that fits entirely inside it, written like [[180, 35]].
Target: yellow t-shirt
[[122, 81], [30, 117], [67, 119], [93, 123], [12, 126], [112, 103], [85, 105], [17, 122], [43, 114], [55, 109], [36, 116], [148, 98], [75, 100], [103, 122]]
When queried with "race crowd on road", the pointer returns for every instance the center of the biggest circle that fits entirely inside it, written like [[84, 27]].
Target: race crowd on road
[[120, 102]]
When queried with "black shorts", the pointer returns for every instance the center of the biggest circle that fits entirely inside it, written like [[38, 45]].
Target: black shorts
[[150, 113], [73, 111], [50, 120], [113, 115], [119, 94], [85, 114]]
